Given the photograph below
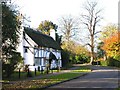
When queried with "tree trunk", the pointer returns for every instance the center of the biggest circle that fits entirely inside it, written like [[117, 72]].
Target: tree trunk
[[92, 49], [91, 20]]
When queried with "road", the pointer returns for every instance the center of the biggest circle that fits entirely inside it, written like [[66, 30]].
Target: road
[[100, 77]]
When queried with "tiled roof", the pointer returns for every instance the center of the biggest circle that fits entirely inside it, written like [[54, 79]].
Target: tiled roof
[[42, 39]]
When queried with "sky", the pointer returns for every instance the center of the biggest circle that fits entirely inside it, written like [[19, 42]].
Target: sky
[[52, 10]]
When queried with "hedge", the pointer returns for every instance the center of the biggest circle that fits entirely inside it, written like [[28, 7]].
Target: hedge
[[110, 62]]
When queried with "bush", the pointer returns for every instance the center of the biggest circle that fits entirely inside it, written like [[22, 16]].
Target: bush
[[79, 59], [110, 62], [113, 62], [65, 57], [116, 63], [103, 63], [8, 68], [69, 65]]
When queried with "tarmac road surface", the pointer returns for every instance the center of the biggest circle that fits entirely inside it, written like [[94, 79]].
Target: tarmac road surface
[[101, 78]]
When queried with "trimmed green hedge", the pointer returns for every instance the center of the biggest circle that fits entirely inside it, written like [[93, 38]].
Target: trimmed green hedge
[[110, 62]]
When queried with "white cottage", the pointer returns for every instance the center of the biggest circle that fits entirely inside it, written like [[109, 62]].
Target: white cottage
[[39, 49]]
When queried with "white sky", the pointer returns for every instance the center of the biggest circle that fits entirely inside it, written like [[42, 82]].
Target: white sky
[[40, 10]]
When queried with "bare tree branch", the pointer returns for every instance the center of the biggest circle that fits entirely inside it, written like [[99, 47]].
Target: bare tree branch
[[68, 26], [90, 20]]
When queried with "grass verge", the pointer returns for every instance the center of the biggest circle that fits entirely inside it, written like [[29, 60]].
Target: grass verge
[[23, 75], [118, 89], [33, 84], [82, 69], [45, 81]]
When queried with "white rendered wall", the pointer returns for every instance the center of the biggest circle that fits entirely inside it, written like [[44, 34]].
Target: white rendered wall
[[29, 55], [20, 46]]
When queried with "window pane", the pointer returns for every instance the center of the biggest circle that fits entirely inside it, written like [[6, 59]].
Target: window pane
[[37, 61], [36, 53], [40, 62]]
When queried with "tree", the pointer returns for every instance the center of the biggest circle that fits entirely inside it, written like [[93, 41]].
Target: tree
[[68, 27], [111, 46], [45, 27], [10, 38], [100, 52], [108, 31], [77, 53], [91, 20]]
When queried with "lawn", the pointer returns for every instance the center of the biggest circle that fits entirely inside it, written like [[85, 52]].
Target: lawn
[[64, 76], [82, 69], [118, 89], [29, 84], [23, 75], [42, 82]]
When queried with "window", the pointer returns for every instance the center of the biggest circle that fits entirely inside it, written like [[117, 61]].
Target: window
[[36, 52], [38, 61], [26, 50]]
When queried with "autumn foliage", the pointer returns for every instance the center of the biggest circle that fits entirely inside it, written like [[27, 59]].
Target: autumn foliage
[[111, 45]]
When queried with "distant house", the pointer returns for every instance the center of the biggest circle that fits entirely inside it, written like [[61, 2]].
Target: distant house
[[39, 49]]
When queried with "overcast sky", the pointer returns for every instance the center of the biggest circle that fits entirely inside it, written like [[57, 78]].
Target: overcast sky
[[40, 10]]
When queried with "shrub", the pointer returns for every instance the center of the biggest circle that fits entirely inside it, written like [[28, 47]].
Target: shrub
[[65, 57], [110, 62], [8, 68], [103, 63]]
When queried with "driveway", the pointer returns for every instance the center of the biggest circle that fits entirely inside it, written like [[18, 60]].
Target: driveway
[[100, 77]]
